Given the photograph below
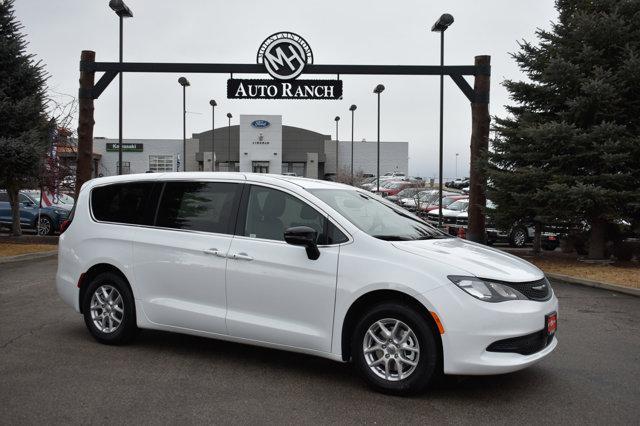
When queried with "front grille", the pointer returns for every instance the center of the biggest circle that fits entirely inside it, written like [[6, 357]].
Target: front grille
[[534, 290], [523, 345]]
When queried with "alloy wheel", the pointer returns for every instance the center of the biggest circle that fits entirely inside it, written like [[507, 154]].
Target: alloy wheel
[[107, 309], [391, 349], [519, 238], [44, 226]]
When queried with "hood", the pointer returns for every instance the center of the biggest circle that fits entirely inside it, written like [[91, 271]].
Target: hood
[[475, 259], [450, 213]]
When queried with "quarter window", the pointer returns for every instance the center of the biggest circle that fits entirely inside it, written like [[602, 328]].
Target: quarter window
[[161, 163], [199, 206], [270, 212], [122, 203]]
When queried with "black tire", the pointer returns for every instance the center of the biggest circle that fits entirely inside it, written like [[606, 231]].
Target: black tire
[[428, 365], [127, 328], [46, 224], [518, 237]]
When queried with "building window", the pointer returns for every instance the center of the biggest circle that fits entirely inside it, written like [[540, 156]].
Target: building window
[[228, 167], [126, 167], [299, 168], [260, 166], [161, 163]]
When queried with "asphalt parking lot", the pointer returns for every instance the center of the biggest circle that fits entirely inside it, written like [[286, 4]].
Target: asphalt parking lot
[[52, 371]]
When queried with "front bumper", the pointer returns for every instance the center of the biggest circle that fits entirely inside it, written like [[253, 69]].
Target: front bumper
[[471, 325]]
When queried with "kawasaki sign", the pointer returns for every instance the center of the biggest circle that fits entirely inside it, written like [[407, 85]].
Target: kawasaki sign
[[284, 55], [127, 147]]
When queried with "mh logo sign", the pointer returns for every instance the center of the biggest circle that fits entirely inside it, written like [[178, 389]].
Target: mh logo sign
[[284, 55]]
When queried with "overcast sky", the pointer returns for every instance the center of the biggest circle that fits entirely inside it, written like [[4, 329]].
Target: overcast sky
[[339, 32]]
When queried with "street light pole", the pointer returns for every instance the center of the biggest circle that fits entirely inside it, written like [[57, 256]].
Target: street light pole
[[440, 26], [352, 108], [229, 116], [457, 165], [184, 83], [123, 11], [213, 104], [337, 119], [379, 89]]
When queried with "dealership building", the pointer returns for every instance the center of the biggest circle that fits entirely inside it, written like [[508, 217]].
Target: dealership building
[[260, 144]]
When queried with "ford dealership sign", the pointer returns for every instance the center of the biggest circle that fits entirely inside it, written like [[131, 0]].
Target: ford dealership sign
[[260, 124]]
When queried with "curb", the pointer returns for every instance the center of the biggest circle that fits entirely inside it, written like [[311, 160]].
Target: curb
[[596, 284], [28, 256]]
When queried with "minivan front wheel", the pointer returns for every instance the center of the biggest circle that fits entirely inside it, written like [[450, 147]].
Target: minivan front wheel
[[108, 309], [394, 349]]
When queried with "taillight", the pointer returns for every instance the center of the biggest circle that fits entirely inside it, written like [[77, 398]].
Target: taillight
[[462, 233], [64, 225]]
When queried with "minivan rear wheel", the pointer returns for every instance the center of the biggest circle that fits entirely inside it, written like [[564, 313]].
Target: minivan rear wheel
[[394, 349], [109, 310]]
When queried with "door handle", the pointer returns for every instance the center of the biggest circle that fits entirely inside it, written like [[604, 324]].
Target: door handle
[[214, 251], [242, 256]]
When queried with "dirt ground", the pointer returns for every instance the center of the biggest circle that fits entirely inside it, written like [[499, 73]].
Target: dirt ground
[[620, 273], [16, 249]]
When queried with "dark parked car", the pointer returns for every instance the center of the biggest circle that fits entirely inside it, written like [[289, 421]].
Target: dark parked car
[[50, 218]]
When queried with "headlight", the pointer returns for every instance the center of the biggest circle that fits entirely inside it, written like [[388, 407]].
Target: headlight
[[488, 291]]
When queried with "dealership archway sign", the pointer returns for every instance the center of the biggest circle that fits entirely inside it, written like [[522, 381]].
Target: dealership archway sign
[[286, 56]]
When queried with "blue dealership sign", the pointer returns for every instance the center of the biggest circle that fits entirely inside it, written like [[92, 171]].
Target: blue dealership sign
[[260, 124]]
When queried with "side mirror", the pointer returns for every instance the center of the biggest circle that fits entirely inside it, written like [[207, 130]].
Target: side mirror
[[303, 236], [27, 204]]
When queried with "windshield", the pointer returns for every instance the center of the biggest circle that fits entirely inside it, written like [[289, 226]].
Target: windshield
[[459, 206], [408, 192], [377, 217], [447, 201], [58, 199], [428, 196]]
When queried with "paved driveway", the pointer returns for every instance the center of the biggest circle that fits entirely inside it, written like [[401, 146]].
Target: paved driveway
[[52, 371]]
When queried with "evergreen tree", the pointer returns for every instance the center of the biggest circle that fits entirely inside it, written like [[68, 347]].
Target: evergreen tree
[[569, 148], [23, 125]]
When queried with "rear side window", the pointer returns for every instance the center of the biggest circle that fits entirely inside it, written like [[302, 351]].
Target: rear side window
[[123, 203], [199, 206]]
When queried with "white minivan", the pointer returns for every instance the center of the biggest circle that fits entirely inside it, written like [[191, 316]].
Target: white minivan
[[301, 265]]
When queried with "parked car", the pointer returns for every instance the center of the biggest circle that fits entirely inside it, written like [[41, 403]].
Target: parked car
[[450, 214], [458, 183], [404, 194], [446, 201], [383, 179], [59, 199], [424, 199], [45, 220], [394, 187], [456, 221], [300, 265]]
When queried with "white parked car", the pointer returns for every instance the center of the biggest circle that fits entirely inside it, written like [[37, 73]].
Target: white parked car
[[301, 265]]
